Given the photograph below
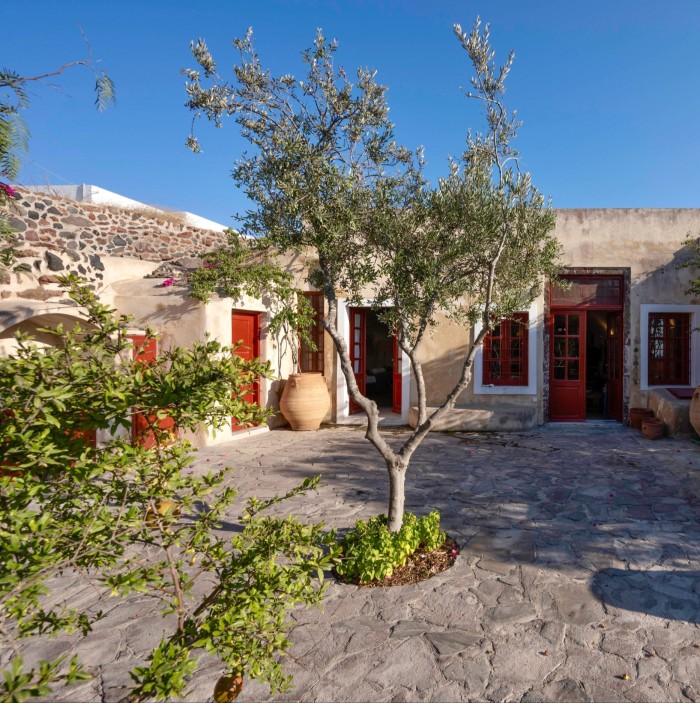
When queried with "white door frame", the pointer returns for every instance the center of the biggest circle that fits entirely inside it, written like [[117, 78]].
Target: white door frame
[[341, 393]]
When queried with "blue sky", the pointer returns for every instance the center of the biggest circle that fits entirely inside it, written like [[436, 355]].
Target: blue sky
[[609, 92]]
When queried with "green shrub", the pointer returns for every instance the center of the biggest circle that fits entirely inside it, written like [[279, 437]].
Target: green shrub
[[371, 552], [129, 518]]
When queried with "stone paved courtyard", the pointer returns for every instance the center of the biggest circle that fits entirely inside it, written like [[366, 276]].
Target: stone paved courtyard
[[578, 578]]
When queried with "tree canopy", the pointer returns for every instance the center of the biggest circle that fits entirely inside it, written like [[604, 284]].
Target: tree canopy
[[325, 172]]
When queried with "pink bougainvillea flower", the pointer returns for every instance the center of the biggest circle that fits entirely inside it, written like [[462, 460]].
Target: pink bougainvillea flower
[[208, 265], [167, 282], [9, 191]]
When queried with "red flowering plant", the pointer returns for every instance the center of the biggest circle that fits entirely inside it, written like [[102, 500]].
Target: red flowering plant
[[7, 192]]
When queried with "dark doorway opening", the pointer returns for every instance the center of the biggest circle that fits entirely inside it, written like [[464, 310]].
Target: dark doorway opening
[[596, 364], [379, 376]]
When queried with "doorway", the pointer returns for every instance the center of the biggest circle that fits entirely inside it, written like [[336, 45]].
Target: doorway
[[586, 359], [603, 357], [376, 360]]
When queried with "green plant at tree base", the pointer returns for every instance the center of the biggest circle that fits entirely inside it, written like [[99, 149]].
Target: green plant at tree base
[[370, 552], [130, 519]]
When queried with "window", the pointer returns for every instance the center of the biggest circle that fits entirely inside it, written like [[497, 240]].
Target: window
[[310, 360], [669, 349], [589, 292], [505, 353]]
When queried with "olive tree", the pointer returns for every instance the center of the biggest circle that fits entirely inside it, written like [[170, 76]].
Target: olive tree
[[325, 174]]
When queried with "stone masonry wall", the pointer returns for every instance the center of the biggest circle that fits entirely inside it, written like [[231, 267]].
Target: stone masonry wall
[[56, 236], [56, 223]]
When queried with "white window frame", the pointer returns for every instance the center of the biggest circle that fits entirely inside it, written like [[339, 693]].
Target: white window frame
[[532, 355], [644, 311]]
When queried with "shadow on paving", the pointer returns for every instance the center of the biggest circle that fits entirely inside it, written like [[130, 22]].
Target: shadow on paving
[[603, 506], [667, 594]]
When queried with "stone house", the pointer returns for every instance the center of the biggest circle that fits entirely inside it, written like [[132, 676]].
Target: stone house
[[624, 333]]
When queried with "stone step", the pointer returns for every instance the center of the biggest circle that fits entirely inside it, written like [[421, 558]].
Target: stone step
[[504, 417]]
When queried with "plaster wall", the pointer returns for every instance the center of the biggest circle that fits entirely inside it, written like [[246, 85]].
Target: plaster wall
[[441, 356], [180, 321], [115, 250], [650, 242]]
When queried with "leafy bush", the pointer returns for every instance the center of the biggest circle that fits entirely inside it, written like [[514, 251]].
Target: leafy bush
[[129, 517], [370, 552]]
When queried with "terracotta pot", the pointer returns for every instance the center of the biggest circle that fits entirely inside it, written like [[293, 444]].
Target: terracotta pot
[[305, 401], [164, 508], [637, 415], [227, 689], [695, 410], [652, 428]]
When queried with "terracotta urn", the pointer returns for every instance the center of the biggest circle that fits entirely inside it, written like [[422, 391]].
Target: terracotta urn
[[227, 688], [695, 410], [305, 401]]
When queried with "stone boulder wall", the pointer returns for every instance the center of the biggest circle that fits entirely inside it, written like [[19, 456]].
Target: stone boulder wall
[[45, 266], [56, 236], [58, 223]]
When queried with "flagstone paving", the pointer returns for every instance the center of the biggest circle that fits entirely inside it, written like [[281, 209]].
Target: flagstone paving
[[578, 577]]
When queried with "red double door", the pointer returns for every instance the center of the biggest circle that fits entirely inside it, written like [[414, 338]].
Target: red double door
[[567, 377], [358, 357]]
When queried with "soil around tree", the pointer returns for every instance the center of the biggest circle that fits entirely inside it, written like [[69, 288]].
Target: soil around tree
[[419, 566]]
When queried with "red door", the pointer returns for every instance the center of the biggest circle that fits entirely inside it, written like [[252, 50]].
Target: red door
[[614, 364], [358, 351], [145, 351], [397, 377], [567, 381], [245, 331]]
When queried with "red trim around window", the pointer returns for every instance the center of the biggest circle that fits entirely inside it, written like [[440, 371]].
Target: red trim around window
[[669, 349], [505, 353]]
